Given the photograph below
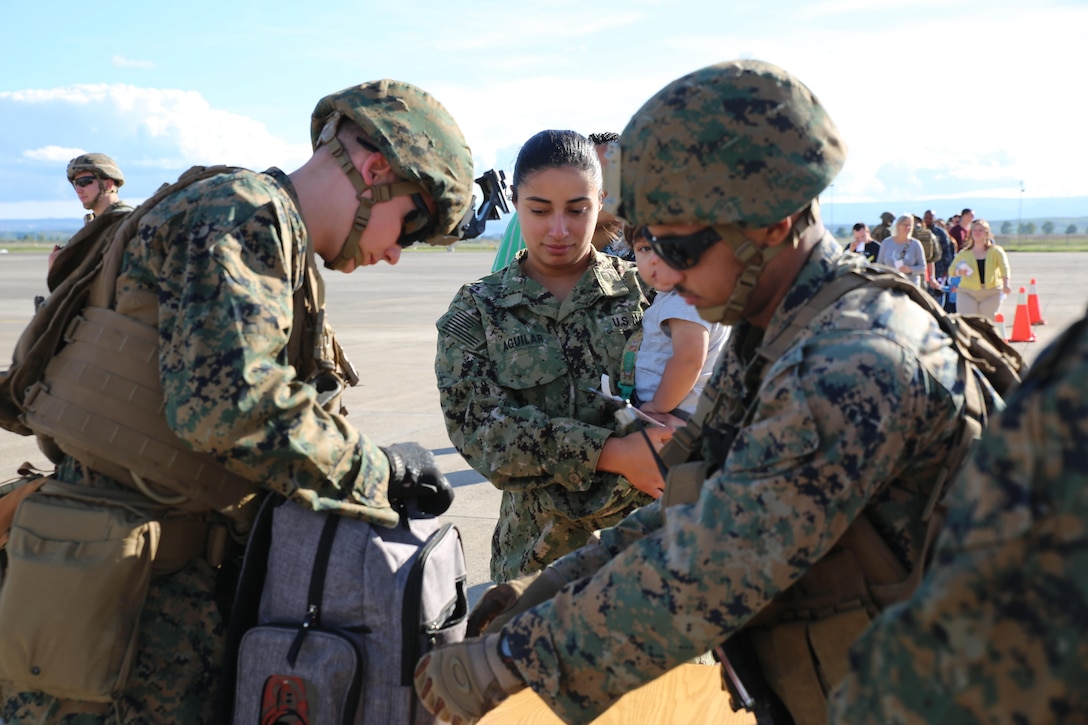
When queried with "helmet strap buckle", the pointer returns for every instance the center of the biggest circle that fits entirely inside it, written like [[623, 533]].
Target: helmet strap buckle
[[378, 193]]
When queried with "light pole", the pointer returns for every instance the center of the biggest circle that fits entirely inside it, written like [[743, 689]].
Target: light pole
[[1020, 217], [831, 216]]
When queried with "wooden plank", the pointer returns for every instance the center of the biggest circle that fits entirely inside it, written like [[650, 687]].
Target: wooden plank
[[688, 694]]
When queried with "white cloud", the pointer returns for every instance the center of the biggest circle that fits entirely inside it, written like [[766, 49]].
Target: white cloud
[[933, 97], [152, 133], [507, 111], [171, 128], [120, 61], [52, 153], [974, 102]]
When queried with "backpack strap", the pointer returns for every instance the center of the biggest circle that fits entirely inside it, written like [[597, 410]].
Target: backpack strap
[[325, 365], [685, 440], [243, 611], [884, 578], [830, 293], [316, 596]]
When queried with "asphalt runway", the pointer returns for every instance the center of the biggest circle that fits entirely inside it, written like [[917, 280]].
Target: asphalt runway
[[384, 317]]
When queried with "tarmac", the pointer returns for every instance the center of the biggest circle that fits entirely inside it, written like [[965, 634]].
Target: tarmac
[[384, 317]]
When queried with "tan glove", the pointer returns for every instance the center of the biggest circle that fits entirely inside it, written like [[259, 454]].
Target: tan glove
[[497, 599], [503, 602], [462, 681], [543, 587]]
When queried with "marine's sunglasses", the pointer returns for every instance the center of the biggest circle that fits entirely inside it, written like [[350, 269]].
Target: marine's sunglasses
[[681, 252], [84, 181], [417, 223]]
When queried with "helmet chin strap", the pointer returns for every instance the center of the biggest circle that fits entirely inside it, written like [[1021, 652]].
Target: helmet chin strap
[[754, 257], [379, 193], [90, 205]]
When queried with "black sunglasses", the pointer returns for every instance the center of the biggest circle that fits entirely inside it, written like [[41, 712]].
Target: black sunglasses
[[417, 223], [84, 181], [681, 252]]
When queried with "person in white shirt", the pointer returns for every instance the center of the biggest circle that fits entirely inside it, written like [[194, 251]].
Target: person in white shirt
[[678, 349]]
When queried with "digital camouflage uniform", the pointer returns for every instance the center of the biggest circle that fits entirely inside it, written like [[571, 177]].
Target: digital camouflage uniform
[[995, 633], [213, 256], [514, 370], [855, 417], [216, 300], [833, 420]]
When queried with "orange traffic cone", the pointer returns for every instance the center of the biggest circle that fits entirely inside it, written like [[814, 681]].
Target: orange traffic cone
[[999, 321], [1035, 315], [1021, 326]]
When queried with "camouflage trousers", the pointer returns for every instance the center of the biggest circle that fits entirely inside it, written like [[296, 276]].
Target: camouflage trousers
[[176, 671]]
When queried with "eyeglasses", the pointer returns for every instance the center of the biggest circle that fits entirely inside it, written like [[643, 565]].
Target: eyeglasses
[[681, 252], [84, 181], [417, 223]]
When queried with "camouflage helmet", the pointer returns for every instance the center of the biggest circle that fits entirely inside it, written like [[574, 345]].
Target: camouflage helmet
[[887, 217], [419, 138], [742, 142], [100, 165]]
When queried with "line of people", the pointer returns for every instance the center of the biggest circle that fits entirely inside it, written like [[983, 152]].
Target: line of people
[[965, 268]]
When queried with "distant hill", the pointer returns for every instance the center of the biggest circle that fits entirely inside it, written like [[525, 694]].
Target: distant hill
[[9, 227], [1061, 211]]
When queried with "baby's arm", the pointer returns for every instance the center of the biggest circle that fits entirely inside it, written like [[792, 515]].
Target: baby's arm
[[689, 348]]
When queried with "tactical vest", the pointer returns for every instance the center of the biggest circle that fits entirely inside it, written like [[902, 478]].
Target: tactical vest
[[95, 392], [929, 244], [800, 641]]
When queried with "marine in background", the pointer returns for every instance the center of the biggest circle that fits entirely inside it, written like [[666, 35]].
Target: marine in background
[[883, 230], [930, 247], [97, 181]]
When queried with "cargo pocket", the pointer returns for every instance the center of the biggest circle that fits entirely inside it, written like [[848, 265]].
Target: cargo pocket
[[77, 578], [294, 673], [528, 369]]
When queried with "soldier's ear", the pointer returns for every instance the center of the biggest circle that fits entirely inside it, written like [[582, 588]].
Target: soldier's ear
[[375, 166], [778, 232]]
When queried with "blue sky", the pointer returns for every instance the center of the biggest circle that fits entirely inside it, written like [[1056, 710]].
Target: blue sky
[[953, 99]]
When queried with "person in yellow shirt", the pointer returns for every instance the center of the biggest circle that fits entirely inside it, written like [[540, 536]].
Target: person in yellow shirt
[[983, 269]]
